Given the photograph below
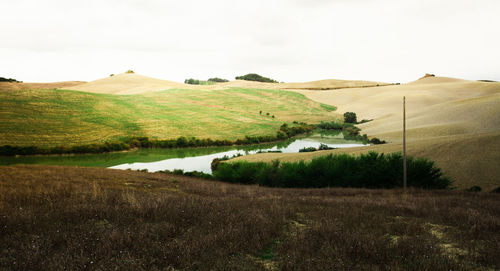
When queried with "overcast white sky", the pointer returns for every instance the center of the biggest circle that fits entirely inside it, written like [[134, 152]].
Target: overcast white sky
[[287, 40]]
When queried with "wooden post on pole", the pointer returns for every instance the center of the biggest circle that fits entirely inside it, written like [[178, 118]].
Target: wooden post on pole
[[404, 143]]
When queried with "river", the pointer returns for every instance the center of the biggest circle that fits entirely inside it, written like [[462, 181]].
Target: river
[[187, 159]]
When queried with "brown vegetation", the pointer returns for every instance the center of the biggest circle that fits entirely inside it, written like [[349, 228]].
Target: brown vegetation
[[55, 218]]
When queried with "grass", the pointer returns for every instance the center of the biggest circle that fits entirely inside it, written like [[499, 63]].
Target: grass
[[49, 118], [56, 218]]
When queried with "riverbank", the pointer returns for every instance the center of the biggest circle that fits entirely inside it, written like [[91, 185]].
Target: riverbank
[[285, 132]]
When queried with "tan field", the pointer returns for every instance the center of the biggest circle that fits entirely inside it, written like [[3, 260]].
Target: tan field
[[451, 121], [15, 86], [127, 83], [131, 83]]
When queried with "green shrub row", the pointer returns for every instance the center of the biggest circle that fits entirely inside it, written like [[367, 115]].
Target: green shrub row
[[146, 142], [255, 77], [370, 170], [217, 80], [3, 79], [192, 81], [8, 150]]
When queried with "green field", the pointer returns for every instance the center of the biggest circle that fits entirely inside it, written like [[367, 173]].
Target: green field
[[55, 117]]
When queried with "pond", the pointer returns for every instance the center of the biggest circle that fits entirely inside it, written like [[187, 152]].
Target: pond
[[187, 159]]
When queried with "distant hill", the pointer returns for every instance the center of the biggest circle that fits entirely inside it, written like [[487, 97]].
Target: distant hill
[[127, 83], [132, 83]]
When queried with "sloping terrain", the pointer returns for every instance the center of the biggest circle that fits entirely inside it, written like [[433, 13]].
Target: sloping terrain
[[67, 117], [69, 217], [15, 86], [313, 85], [451, 121], [127, 83], [131, 83]]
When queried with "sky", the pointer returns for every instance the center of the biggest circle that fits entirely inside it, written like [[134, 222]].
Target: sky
[[287, 40]]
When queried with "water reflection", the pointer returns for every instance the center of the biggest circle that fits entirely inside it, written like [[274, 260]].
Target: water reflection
[[188, 159]]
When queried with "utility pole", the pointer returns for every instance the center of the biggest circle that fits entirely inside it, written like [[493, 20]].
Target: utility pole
[[404, 144]]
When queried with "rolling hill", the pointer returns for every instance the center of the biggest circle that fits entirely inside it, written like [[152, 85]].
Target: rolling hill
[[132, 83], [451, 121], [57, 117]]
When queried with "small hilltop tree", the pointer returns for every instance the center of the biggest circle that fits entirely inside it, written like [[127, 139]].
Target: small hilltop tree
[[350, 117]]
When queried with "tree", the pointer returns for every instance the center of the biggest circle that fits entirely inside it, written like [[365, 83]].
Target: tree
[[217, 80], [256, 77], [350, 117]]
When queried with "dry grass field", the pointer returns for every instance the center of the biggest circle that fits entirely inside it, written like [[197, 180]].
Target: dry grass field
[[70, 218], [454, 122], [4, 86], [131, 83]]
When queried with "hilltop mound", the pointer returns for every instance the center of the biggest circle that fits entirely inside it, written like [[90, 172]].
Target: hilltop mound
[[127, 83], [432, 79]]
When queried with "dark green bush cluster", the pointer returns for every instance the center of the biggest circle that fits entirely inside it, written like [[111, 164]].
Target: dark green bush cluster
[[308, 149], [370, 170], [197, 174], [332, 125], [217, 80], [287, 131], [256, 77], [377, 141], [3, 79], [192, 81], [350, 117], [9, 150]]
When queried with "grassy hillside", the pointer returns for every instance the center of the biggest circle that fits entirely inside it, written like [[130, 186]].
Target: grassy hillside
[[454, 122], [56, 218], [66, 117]]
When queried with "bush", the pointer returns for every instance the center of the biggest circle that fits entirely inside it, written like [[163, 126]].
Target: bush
[[255, 77], [377, 141], [3, 79], [308, 149], [217, 80], [352, 131], [350, 117], [324, 147], [129, 71], [370, 170], [331, 125]]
